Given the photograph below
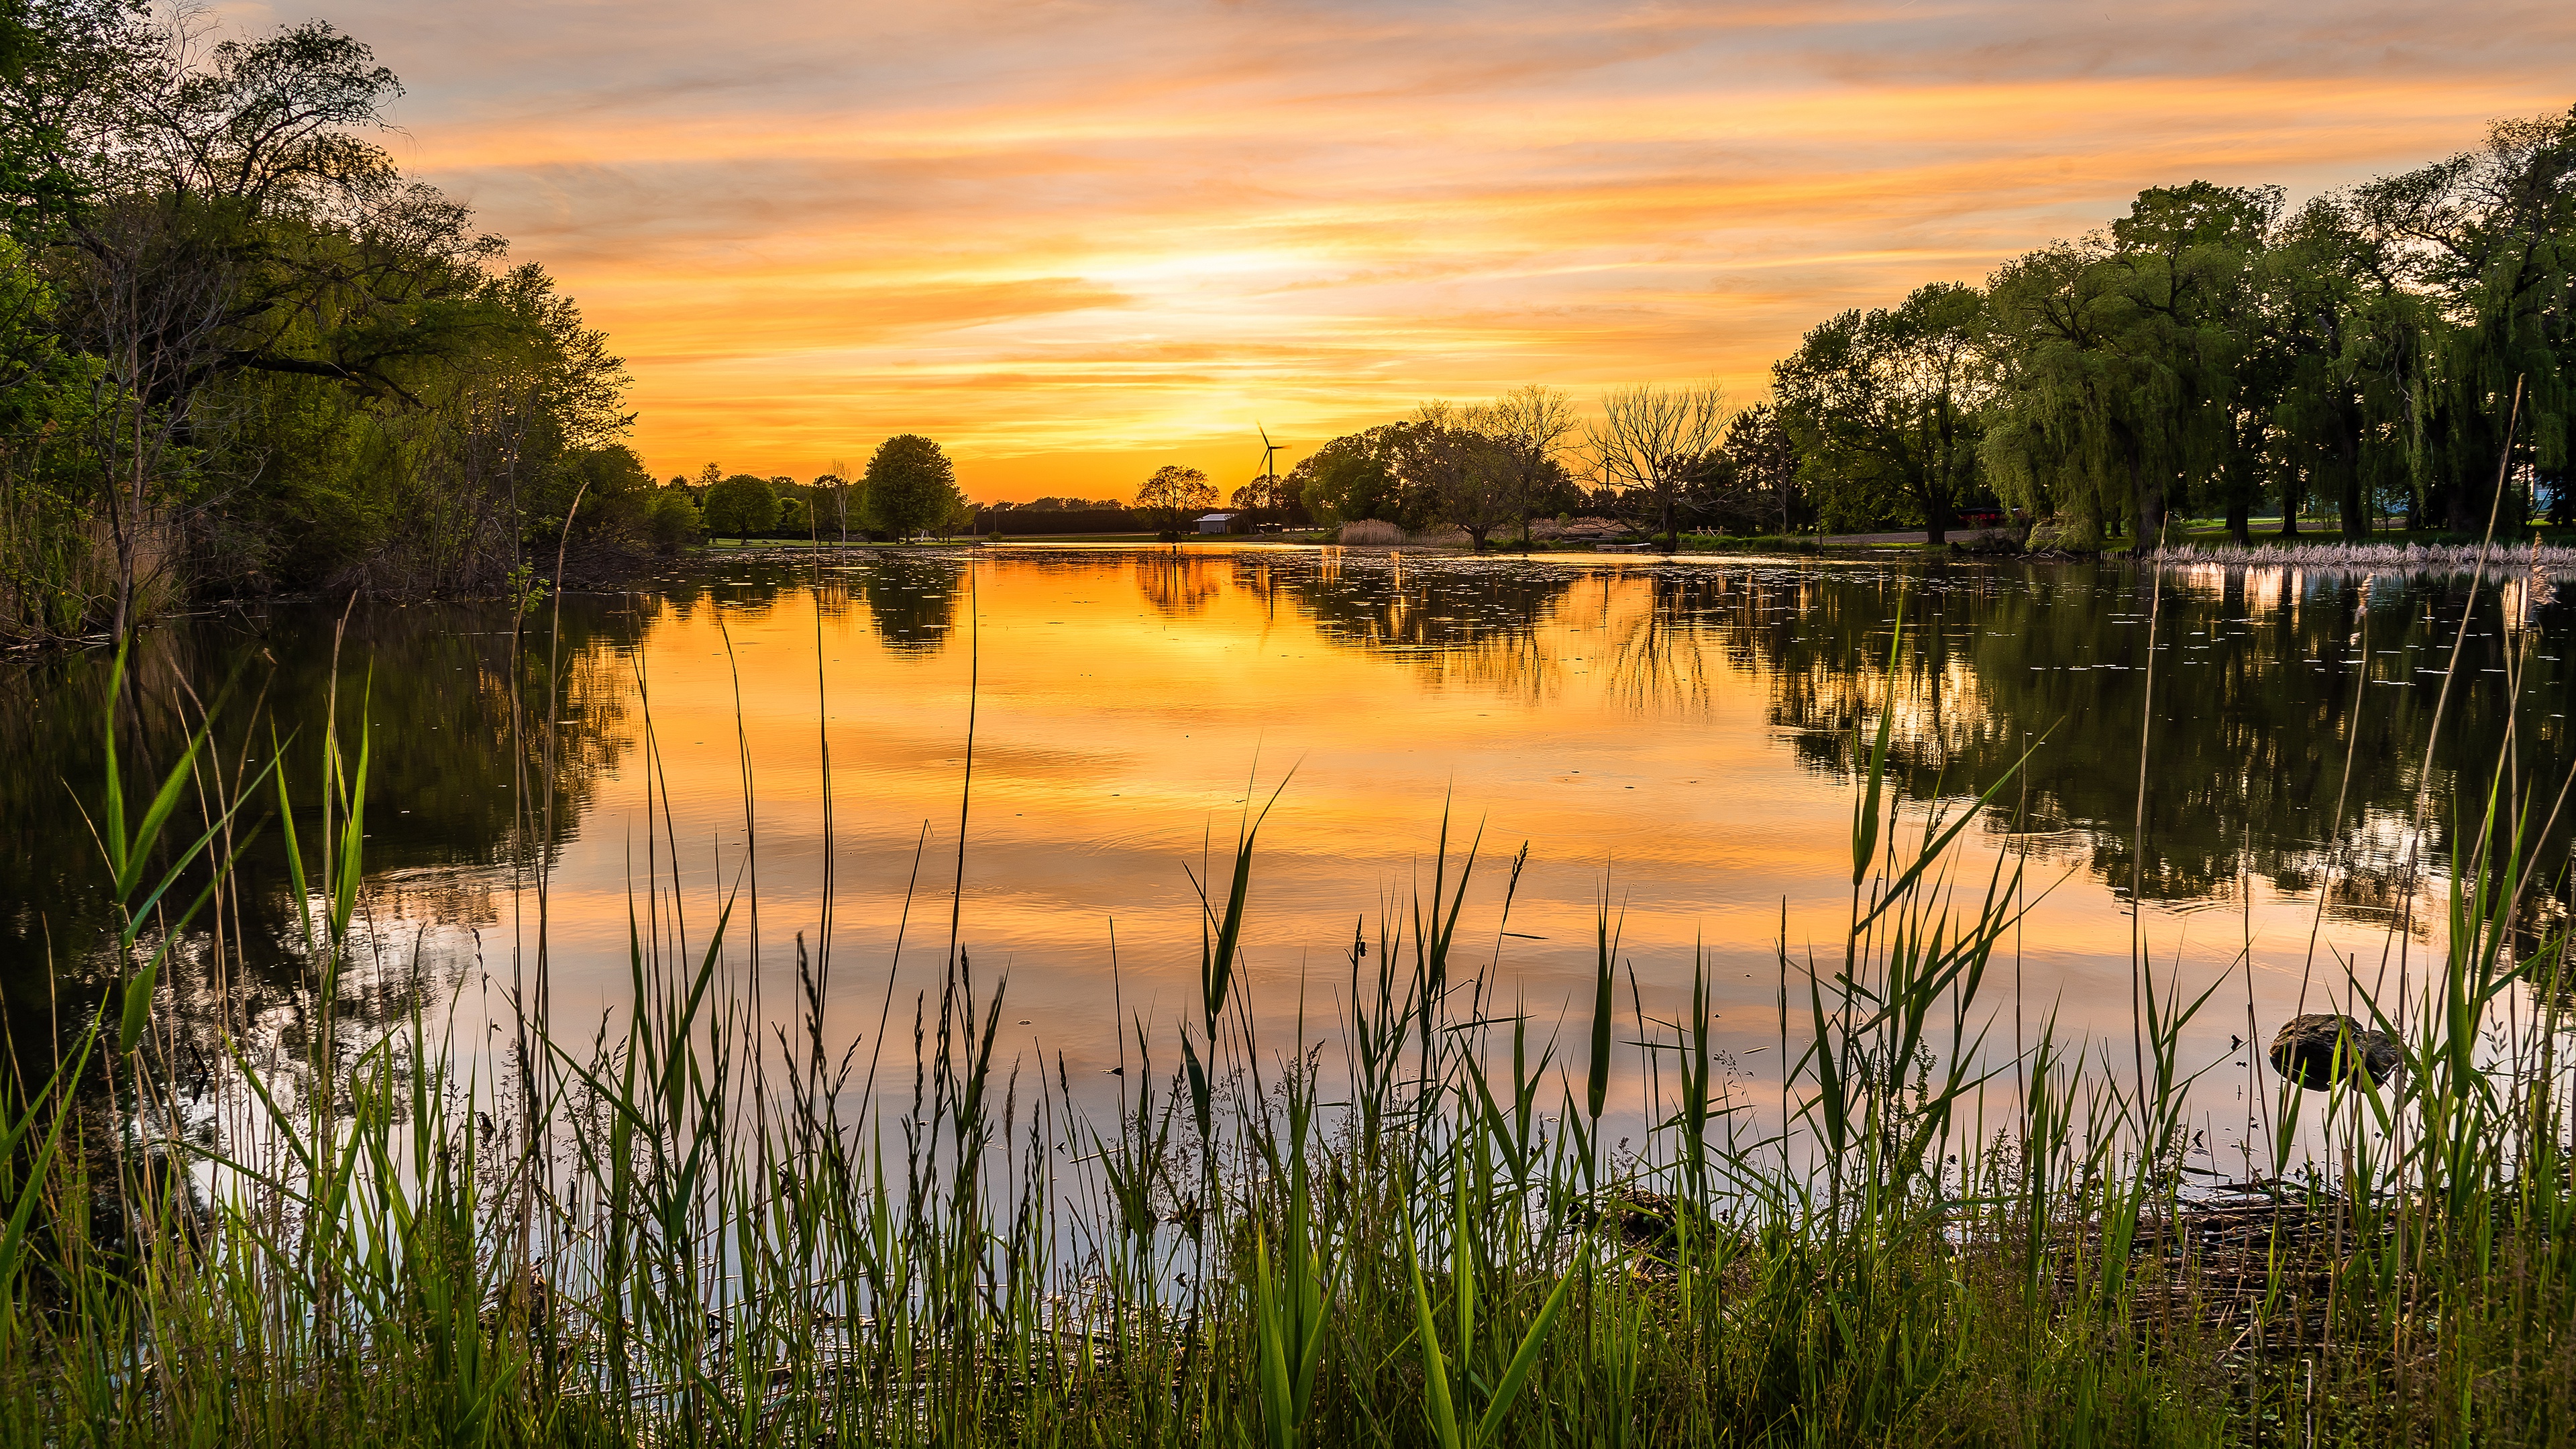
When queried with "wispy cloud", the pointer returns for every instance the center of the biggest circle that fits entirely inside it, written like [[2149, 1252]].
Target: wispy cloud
[[1067, 239]]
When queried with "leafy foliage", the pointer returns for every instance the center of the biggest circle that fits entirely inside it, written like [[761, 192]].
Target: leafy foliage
[[740, 505], [2211, 351], [295, 367], [911, 488], [1882, 408]]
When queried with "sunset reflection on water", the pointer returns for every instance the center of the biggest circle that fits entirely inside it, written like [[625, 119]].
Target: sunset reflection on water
[[1677, 736], [1674, 737]]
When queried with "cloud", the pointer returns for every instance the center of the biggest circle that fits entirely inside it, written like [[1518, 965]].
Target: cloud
[[1064, 236]]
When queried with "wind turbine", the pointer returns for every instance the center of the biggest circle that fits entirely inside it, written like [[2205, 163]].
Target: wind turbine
[[1269, 454]]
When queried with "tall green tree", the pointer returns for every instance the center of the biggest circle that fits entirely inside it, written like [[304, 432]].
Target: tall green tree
[[910, 488], [303, 367], [1757, 487], [1446, 454], [741, 505], [2115, 361], [672, 520], [1354, 477], [1882, 409], [2346, 343], [2490, 236]]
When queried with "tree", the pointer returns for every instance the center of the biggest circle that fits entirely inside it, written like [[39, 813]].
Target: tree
[[2116, 357], [1530, 425], [741, 505], [1441, 456], [910, 488], [2490, 236], [299, 367], [615, 494], [1351, 478], [832, 501], [2196, 251], [1652, 442], [1881, 407], [672, 519], [2349, 346], [1762, 464], [1174, 493], [1265, 494], [958, 517]]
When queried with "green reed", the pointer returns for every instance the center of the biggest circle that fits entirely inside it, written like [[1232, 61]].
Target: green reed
[[694, 1225]]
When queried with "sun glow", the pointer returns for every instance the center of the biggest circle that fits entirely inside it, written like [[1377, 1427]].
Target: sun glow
[[1070, 242]]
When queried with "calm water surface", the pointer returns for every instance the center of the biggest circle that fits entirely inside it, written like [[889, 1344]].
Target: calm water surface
[[1677, 736]]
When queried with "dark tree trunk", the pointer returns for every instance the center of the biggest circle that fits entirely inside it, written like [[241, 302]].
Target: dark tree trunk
[[2148, 499], [2354, 507], [2459, 510], [2240, 516]]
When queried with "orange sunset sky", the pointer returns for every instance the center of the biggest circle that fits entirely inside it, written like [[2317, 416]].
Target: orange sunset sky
[[1071, 241]]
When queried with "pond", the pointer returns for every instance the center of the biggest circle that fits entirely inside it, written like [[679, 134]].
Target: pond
[[1673, 738]]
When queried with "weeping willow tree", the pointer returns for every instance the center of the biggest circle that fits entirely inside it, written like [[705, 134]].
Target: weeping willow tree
[[2487, 239], [2350, 347], [2364, 350], [2116, 362]]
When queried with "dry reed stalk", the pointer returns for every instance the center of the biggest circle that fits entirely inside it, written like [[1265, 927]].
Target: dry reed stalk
[[2553, 561]]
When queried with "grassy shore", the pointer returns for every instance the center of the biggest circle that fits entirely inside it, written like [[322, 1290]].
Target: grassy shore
[[1417, 1217]]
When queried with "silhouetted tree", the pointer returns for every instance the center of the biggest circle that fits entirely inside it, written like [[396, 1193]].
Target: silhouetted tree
[[910, 488], [1652, 442], [1174, 493]]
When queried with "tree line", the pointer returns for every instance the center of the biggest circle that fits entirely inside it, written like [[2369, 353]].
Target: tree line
[[908, 489], [240, 351], [2399, 349], [1668, 458]]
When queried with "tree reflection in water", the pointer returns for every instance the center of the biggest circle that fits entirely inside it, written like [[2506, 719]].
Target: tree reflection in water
[[451, 703], [2264, 693], [1179, 582], [2266, 686], [1469, 623], [911, 598]]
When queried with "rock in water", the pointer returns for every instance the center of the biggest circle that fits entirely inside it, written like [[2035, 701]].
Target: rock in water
[[2304, 1051]]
